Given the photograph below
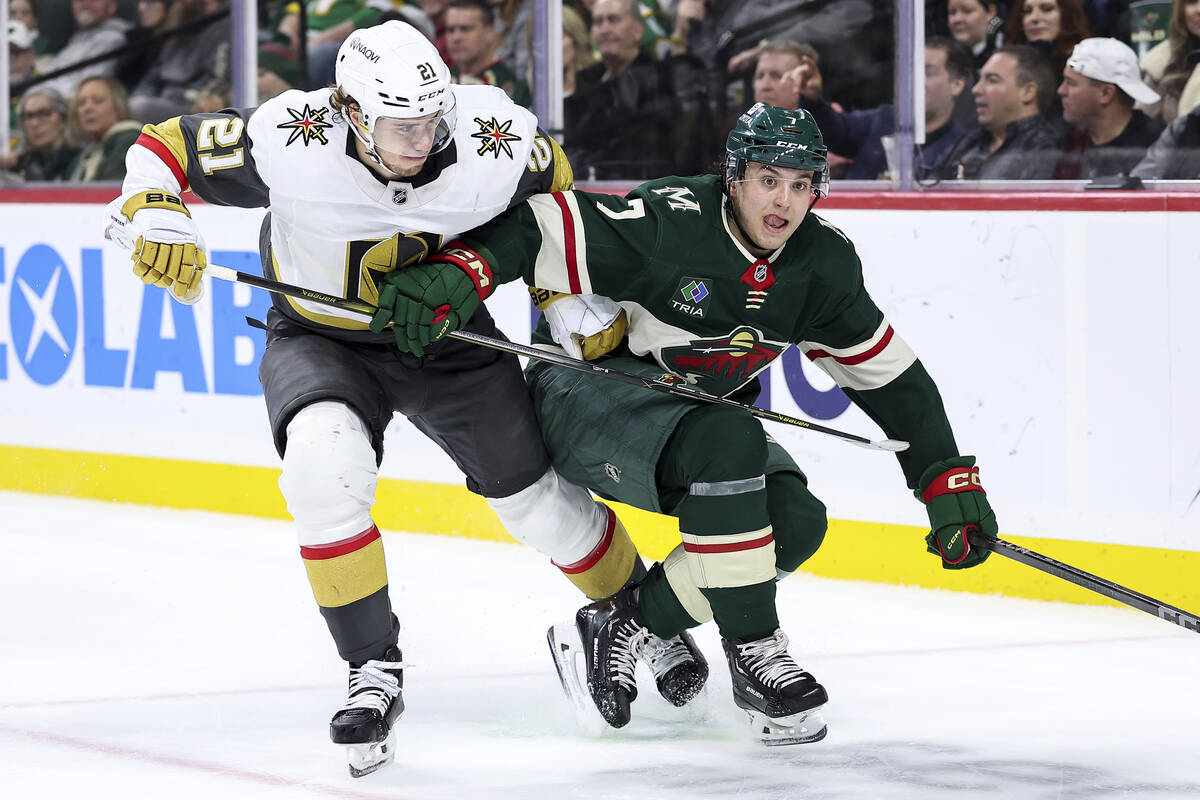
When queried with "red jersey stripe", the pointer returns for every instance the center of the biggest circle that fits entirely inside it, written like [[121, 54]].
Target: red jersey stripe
[[569, 242], [857, 359], [159, 149]]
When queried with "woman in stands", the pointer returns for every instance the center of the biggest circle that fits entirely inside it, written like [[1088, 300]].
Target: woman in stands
[[1055, 25], [100, 116], [1166, 66]]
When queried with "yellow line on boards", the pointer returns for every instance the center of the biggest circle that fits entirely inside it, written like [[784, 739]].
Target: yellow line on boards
[[852, 550]]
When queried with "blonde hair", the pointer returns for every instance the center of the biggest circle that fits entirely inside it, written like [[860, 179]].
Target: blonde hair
[[120, 101]]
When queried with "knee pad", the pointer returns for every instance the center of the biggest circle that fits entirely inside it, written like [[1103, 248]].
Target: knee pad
[[329, 473], [798, 519], [716, 443]]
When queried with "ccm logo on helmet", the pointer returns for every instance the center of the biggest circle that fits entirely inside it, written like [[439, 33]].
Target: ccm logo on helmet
[[431, 94], [792, 145], [367, 52]]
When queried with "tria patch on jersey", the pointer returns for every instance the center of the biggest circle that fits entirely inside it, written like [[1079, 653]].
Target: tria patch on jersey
[[691, 297], [730, 360], [495, 137], [306, 125]]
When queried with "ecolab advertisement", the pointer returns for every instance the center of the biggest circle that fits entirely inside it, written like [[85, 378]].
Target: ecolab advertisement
[[1066, 346]]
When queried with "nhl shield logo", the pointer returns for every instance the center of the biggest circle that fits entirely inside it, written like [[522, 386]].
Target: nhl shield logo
[[760, 272], [399, 196], [612, 472]]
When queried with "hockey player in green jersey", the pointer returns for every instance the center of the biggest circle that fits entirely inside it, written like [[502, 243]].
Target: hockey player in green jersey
[[706, 280]]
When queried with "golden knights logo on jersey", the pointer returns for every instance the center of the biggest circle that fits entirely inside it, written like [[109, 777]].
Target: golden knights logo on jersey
[[306, 125], [495, 137], [724, 363]]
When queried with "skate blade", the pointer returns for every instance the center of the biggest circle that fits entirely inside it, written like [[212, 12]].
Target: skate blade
[[366, 758], [804, 728], [567, 652]]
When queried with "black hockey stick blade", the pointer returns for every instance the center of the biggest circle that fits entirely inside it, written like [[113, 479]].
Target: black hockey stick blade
[[1111, 590], [366, 309]]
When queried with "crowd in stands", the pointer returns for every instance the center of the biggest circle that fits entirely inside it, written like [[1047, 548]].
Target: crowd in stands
[[1014, 89]]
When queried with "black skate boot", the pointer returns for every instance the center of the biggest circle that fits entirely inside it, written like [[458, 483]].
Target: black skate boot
[[613, 637], [678, 667], [364, 723], [783, 700]]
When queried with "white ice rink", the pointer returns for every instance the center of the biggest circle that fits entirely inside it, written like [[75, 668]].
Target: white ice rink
[[158, 654]]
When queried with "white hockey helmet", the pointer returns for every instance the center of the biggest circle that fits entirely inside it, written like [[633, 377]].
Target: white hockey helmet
[[402, 87]]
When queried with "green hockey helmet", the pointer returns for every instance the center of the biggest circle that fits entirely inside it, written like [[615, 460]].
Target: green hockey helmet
[[779, 136]]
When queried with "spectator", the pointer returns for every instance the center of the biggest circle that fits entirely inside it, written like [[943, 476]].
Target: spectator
[[577, 48], [26, 13], [100, 114], [1168, 68], [632, 116], [859, 134], [1055, 25], [276, 73], [776, 84], [1176, 153], [773, 81], [977, 25], [22, 57], [689, 16], [45, 155], [1014, 140], [1100, 84], [143, 48], [186, 62], [436, 11], [513, 20], [329, 23], [471, 40], [97, 30], [214, 96]]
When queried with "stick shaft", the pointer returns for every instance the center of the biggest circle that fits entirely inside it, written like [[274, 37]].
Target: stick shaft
[[1114, 591], [366, 309]]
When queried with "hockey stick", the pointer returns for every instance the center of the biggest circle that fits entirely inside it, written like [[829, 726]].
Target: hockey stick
[[1087, 580], [366, 309]]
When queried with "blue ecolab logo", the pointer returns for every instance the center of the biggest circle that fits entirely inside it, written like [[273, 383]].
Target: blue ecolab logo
[[53, 321]]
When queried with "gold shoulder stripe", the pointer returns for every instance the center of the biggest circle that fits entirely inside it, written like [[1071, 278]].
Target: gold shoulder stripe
[[564, 176]]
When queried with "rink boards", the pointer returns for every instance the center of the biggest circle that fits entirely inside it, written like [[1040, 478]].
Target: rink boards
[[1062, 333]]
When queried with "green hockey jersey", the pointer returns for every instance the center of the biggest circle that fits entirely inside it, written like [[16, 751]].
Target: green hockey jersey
[[709, 312]]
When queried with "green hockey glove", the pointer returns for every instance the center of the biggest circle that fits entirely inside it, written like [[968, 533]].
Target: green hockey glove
[[956, 503], [426, 301]]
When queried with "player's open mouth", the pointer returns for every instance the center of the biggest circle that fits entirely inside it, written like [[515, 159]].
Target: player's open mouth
[[774, 224]]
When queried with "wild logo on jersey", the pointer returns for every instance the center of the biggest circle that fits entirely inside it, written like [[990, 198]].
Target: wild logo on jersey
[[306, 125], [495, 137], [722, 364]]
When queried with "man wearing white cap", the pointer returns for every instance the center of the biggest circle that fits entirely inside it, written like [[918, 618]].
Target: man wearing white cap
[[1101, 81]]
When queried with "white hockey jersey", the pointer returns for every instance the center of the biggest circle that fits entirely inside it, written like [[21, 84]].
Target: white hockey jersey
[[334, 225]]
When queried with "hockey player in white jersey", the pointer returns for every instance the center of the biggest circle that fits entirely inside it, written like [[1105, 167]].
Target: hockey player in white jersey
[[360, 181]]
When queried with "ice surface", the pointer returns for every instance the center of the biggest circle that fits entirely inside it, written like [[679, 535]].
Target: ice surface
[[154, 653]]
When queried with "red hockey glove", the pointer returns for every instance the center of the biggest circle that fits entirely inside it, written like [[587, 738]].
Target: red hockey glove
[[956, 503]]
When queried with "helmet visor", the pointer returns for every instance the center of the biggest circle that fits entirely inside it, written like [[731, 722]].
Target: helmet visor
[[415, 137]]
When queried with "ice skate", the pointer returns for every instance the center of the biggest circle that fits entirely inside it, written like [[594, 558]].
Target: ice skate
[[782, 700], [613, 637], [364, 723], [678, 666]]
